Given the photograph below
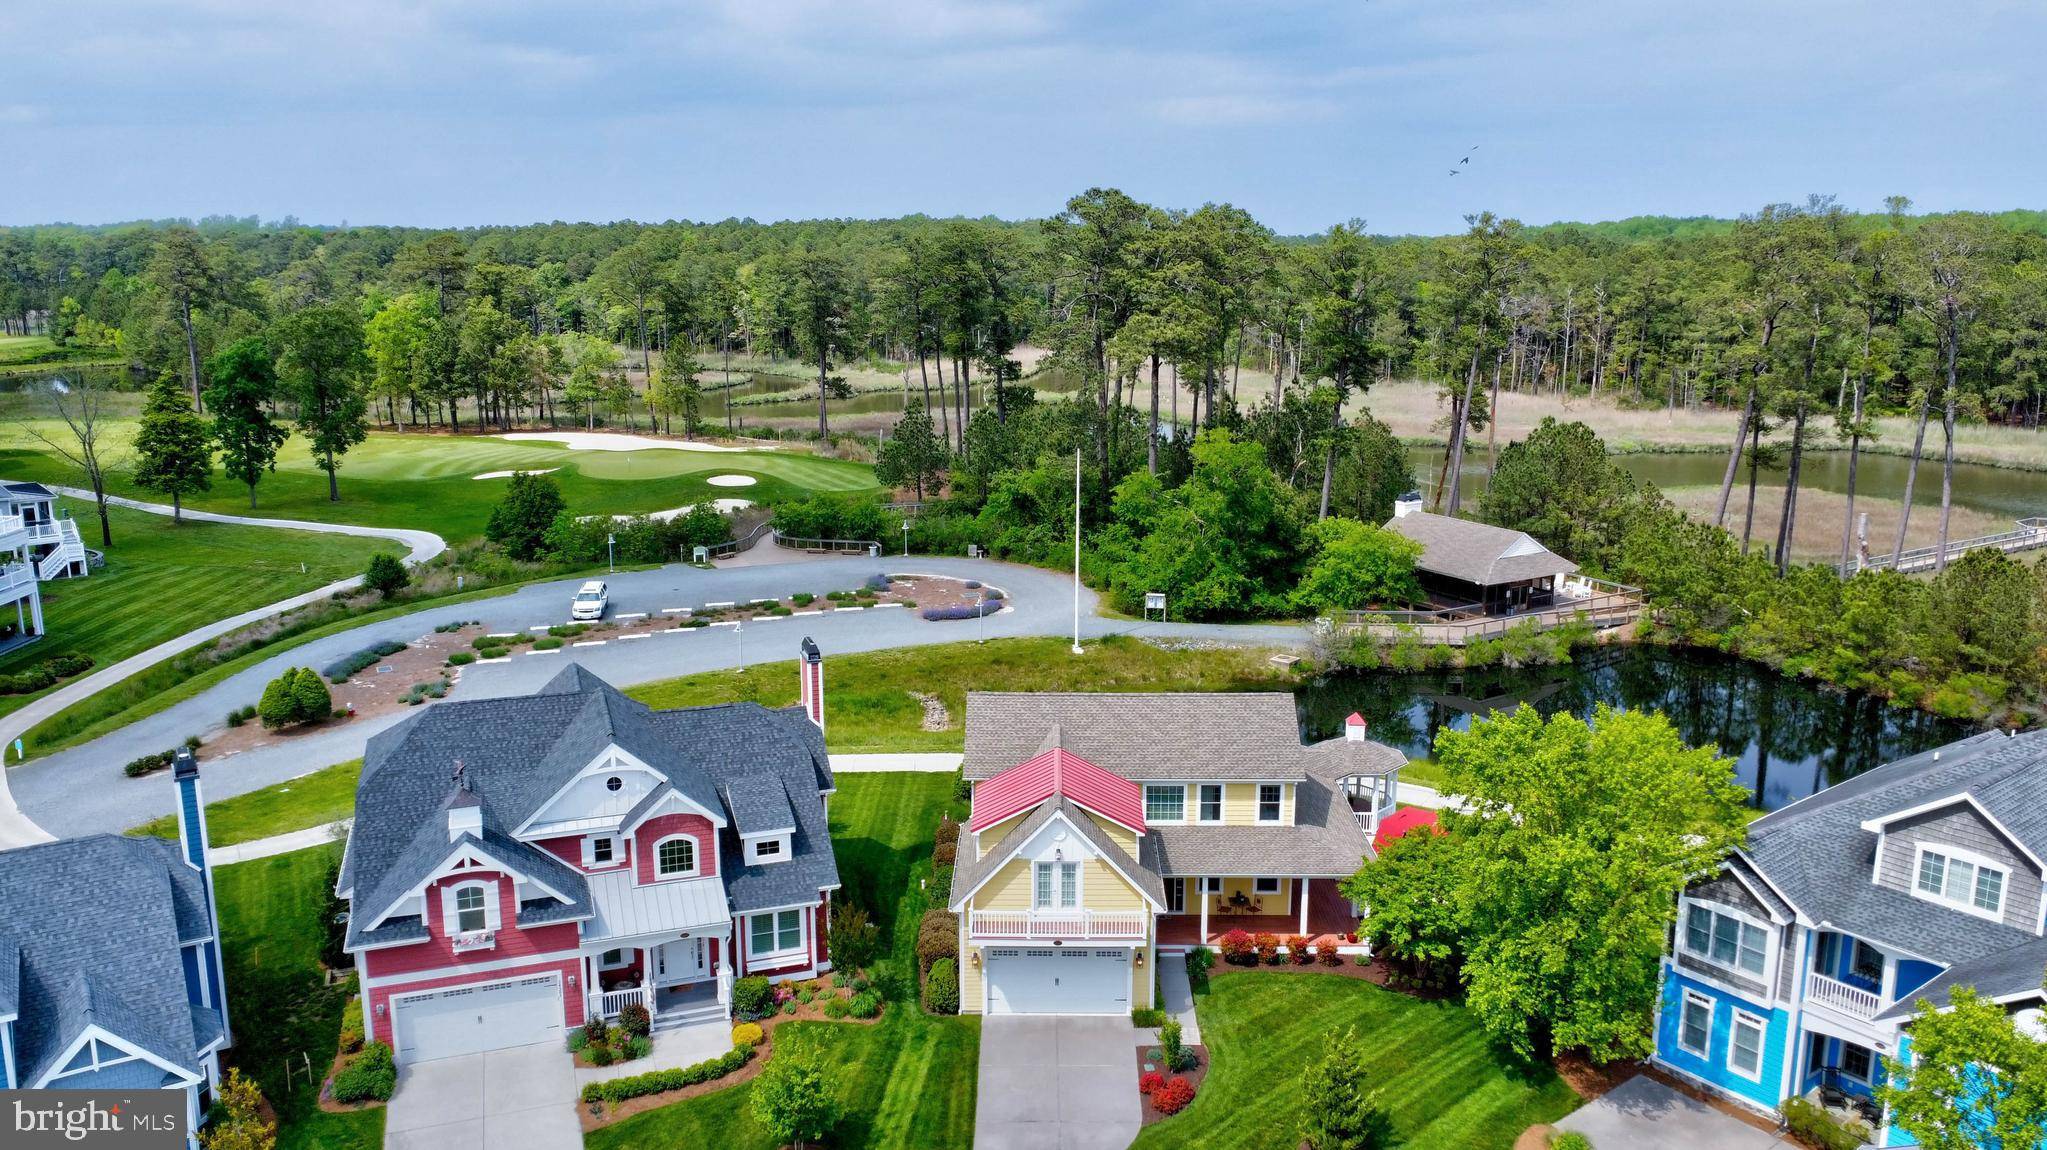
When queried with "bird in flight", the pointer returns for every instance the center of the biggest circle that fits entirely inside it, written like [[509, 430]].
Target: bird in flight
[[1466, 161]]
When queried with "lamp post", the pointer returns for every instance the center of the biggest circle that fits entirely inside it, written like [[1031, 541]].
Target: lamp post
[[739, 633], [610, 553], [906, 539]]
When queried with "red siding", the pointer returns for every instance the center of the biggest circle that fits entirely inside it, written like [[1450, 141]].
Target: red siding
[[817, 939], [379, 1026], [660, 827], [435, 953], [569, 850]]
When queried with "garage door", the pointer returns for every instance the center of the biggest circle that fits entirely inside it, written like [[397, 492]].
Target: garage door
[[1058, 981], [469, 1019]]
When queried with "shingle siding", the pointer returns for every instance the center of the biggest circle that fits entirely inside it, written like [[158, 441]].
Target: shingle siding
[[1960, 826], [1726, 890]]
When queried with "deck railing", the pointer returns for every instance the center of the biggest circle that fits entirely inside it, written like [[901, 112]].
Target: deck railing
[[1050, 924], [2030, 533], [14, 579], [743, 543], [1596, 601], [1842, 996], [835, 546], [608, 1003]]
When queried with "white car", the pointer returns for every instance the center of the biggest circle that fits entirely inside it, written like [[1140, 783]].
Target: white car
[[591, 600]]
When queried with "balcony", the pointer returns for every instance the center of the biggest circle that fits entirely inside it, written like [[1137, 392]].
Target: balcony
[[473, 940], [1120, 925], [1845, 997]]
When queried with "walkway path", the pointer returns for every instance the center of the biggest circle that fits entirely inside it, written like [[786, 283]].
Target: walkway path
[[80, 790], [1644, 1114], [936, 763], [282, 844], [17, 829]]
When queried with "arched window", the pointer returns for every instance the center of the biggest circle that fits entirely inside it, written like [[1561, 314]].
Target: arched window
[[677, 856], [470, 912]]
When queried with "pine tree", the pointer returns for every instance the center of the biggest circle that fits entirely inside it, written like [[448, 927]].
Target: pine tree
[[173, 452], [242, 385], [1337, 1111], [912, 454]]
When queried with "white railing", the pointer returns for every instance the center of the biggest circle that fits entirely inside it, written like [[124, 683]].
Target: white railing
[[608, 1003], [1084, 924], [70, 549], [1842, 996], [724, 986], [15, 577]]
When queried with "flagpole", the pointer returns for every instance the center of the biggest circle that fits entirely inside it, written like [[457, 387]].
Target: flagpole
[[1076, 551]]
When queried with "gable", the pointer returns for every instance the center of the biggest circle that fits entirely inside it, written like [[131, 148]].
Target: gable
[[599, 795]]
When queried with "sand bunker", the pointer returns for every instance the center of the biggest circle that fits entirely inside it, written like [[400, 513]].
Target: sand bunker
[[509, 474], [724, 506], [731, 481], [617, 441]]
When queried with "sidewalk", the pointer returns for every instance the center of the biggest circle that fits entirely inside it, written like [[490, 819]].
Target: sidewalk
[[276, 844]]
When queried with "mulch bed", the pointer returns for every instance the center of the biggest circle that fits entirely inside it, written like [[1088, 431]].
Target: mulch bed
[[368, 693], [327, 1101], [1197, 1076], [1374, 972]]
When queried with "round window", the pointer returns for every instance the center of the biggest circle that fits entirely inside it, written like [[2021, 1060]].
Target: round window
[[613, 783]]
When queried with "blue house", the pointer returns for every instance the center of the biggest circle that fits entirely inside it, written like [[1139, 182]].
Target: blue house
[[1796, 968], [110, 966]]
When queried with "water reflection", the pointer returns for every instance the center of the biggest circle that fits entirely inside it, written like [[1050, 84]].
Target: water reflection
[[1790, 738]]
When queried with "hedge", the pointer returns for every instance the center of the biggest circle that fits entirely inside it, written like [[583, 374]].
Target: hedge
[[371, 1074], [660, 1081], [44, 674], [339, 670], [942, 988]]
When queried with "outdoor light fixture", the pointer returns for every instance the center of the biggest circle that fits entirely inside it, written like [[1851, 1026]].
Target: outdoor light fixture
[[572, 982], [974, 959], [1140, 957], [380, 1010]]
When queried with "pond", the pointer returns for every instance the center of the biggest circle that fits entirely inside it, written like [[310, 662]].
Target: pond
[[1789, 738]]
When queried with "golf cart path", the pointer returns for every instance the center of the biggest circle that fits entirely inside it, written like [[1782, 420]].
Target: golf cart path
[[81, 790], [18, 830]]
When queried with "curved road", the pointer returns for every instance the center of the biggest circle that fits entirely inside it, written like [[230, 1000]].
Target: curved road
[[81, 790], [17, 831]]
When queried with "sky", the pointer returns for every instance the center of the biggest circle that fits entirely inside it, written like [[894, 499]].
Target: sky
[[461, 112]]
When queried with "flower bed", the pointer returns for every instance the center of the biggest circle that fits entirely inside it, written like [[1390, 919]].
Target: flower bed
[[1162, 1097]]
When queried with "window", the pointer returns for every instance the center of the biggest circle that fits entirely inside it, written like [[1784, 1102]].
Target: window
[[1211, 810], [774, 933], [601, 851], [1165, 804], [1265, 885], [1969, 884], [1268, 802], [1868, 965], [1855, 1061], [1725, 940], [1695, 1024], [1212, 885], [613, 783], [1069, 885], [1176, 896], [1056, 884], [1041, 886], [767, 848], [675, 857], [470, 915], [1745, 1046], [613, 959]]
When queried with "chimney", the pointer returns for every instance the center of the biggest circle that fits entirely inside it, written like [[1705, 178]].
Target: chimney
[[1354, 728], [810, 682], [465, 813], [191, 807], [1408, 503]]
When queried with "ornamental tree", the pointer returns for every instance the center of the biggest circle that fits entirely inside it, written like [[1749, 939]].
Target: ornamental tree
[[1338, 1111], [1358, 565], [1948, 1098], [1575, 843], [520, 520], [793, 1098], [238, 1122], [1411, 889]]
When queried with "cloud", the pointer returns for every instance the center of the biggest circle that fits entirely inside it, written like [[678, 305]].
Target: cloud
[[1240, 109]]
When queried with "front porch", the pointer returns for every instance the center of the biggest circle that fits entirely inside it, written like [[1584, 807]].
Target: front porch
[[677, 980], [1325, 917]]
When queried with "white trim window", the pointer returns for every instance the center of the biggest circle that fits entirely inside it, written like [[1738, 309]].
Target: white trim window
[[1209, 809], [1726, 939], [774, 933], [1055, 885], [469, 907], [1265, 886], [1964, 881], [1745, 1045], [1165, 803], [1269, 796], [600, 851], [1213, 884], [675, 857], [1695, 1024]]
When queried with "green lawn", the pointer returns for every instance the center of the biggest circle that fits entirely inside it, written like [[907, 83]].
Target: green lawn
[[1444, 1086], [22, 350], [906, 1082], [310, 800], [427, 481], [277, 1003], [868, 705]]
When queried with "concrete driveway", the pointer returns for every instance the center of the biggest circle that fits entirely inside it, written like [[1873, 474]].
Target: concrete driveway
[[1644, 1114], [518, 1099], [1056, 1083]]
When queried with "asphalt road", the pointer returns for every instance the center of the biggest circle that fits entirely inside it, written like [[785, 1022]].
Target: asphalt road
[[81, 790]]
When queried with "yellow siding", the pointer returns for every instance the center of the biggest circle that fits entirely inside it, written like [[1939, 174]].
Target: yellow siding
[[970, 980], [1103, 888], [1122, 836], [1286, 805], [1272, 903], [1240, 804], [993, 835], [1010, 889], [1143, 978]]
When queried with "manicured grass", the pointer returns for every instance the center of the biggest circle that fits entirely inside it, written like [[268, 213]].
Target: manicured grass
[[906, 1082], [310, 800], [278, 1004], [1444, 1086], [21, 350], [427, 481], [868, 705]]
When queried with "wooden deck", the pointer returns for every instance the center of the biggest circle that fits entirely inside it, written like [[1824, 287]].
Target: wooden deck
[[1604, 605]]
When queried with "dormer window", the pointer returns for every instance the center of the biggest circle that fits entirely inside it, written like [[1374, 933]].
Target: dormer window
[[1963, 881], [469, 913], [769, 849], [1726, 940], [600, 851], [675, 858]]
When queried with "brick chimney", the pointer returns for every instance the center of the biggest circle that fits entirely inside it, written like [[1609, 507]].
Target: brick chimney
[[810, 682]]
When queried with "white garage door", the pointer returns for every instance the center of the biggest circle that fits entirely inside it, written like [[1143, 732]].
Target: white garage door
[[469, 1019], [1063, 980]]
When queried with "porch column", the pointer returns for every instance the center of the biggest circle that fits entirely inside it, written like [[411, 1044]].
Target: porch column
[[1201, 892], [1301, 884]]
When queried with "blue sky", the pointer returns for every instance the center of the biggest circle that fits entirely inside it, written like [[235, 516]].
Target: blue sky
[[504, 111]]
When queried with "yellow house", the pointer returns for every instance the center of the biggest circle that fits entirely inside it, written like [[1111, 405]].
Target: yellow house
[[1108, 829]]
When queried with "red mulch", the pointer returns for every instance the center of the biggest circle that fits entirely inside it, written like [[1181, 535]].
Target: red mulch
[[1195, 1076]]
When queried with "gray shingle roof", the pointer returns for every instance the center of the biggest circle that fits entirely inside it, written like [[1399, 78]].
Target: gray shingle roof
[[970, 873], [1479, 553], [759, 804], [76, 963], [1181, 736], [1324, 840], [10, 978], [2012, 972]]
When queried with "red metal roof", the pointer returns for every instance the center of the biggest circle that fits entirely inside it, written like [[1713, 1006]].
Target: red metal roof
[[1402, 821], [1057, 772]]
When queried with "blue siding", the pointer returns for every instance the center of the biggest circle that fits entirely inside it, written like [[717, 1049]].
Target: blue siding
[[189, 958], [188, 802], [1892, 1135], [1913, 974], [1713, 1069]]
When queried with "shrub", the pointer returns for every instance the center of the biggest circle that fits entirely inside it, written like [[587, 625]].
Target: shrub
[[596, 1031], [1147, 1016], [789, 1007], [1172, 1049], [43, 674], [867, 1003], [836, 1007], [802, 598], [600, 1055], [461, 658], [945, 854], [747, 1034], [877, 583], [136, 768], [520, 520], [639, 1046], [753, 997], [548, 644], [373, 1074], [1268, 948], [1297, 950], [576, 1040], [794, 1099], [937, 937], [942, 988], [310, 691], [973, 584], [948, 831], [1572, 1140], [992, 594], [1150, 1081], [1173, 1097], [634, 1020], [804, 995], [1328, 955], [966, 611], [1237, 947], [339, 670], [656, 1081], [1338, 1111], [1811, 1124], [386, 575], [1200, 961], [351, 1026]]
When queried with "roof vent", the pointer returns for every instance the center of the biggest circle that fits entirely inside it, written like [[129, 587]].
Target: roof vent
[[1354, 728]]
